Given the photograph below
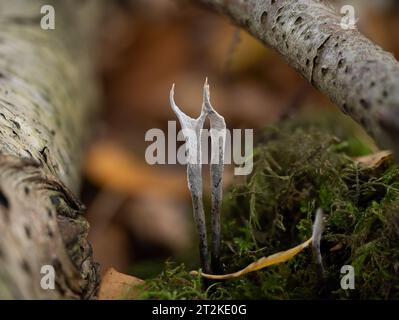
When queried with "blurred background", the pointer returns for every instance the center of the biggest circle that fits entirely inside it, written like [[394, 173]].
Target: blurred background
[[140, 215]]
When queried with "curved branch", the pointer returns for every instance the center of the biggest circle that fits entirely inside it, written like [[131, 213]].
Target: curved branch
[[357, 75]]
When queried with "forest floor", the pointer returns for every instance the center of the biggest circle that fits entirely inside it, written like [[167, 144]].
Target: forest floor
[[298, 167]]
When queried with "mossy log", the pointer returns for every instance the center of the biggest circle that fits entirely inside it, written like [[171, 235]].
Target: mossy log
[[47, 101], [357, 75]]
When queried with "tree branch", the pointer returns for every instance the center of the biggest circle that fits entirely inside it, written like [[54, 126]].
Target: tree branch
[[356, 74]]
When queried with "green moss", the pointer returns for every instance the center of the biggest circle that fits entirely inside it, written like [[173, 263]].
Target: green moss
[[174, 283], [298, 168]]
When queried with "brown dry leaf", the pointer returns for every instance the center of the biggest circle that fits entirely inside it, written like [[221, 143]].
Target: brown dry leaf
[[116, 285], [263, 262], [374, 160], [110, 166]]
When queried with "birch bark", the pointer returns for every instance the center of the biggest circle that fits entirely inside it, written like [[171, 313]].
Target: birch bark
[[47, 102], [357, 75]]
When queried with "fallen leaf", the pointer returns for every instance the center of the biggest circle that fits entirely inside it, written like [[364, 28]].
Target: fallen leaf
[[116, 285], [374, 160]]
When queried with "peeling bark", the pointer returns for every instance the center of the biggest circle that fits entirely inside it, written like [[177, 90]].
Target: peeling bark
[[47, 100], [357, 75]]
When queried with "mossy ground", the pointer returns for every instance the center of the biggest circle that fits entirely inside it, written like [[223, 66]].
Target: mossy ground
[[299, 167]]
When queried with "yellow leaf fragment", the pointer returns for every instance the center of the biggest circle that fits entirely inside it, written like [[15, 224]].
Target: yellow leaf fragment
[[263, 262]]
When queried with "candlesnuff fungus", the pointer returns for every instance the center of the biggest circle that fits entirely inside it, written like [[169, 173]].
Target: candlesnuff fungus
[[191, 129], [218, 140], [279, 257]]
